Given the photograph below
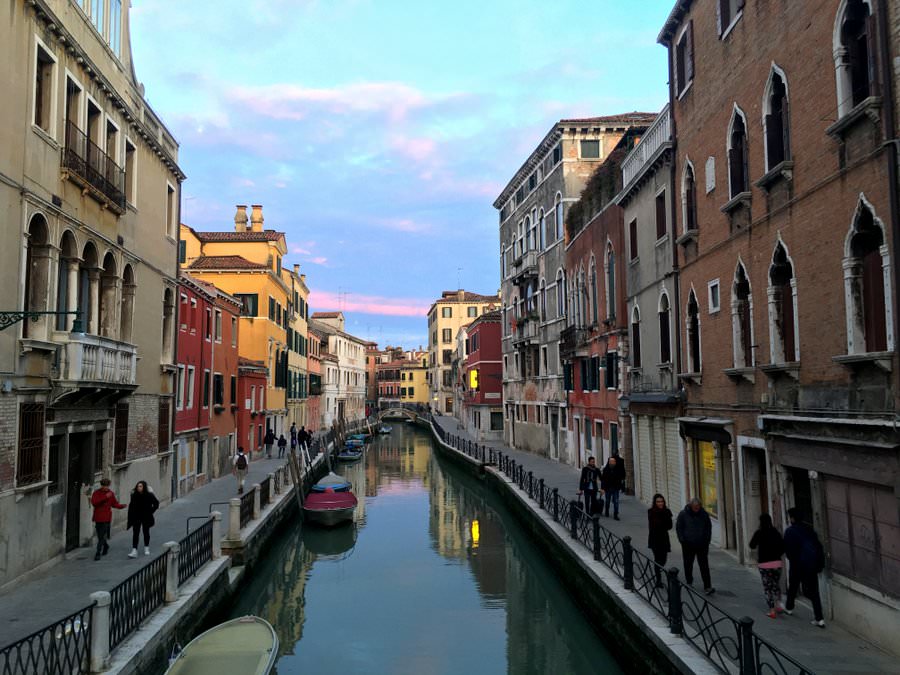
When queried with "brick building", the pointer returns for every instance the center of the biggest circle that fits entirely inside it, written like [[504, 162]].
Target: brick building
[[786, 228], [225, 384], [251, 417], [482, 379]]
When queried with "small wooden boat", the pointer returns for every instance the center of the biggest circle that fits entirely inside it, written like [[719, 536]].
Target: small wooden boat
[[385, 429], [333, 481], [245, 646], [349, 455], [329, 508]]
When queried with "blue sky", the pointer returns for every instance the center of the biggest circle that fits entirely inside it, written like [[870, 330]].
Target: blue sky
[[377, 133]]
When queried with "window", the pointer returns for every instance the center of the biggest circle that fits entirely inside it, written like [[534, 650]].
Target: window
[[112, 140], [130, 182], [595, 292], [778, 147], [693, 333], [611, 370], [729, 12], [447, 312], [868, 296], [585, 374], [218, 389], [689, 198], [193, 316], [560, 294], [613, 438], [120, 444], [661, 224], [218, 325], [30, 460], [207, 324], [182, 251], [249, 303], [713, 293], [446, 335], [632, 240], [411, 392], [271, 308], [737, 155], [665, 338], [171, 212], [234, 331], [636, 338], [542, 291], [233, 393], [97, 14], [782, 307], [43, 89], [37, 288], [684, 59], [590, 149], [115, 25], [742, 321], [610, 283], [472, 312], [557, 154], [168, 336], [162, 428], [205, 400], [855, 60], [179, 388], [447, 357], [542, 232], [190, 387], [559, 217]]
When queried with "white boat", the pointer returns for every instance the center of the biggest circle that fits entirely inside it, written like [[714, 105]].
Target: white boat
[[385, 429], [244, 646]]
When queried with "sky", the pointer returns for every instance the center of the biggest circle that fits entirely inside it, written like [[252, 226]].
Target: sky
[[377, 133]]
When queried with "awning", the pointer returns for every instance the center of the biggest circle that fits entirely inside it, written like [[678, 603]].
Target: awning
[[705, 429]]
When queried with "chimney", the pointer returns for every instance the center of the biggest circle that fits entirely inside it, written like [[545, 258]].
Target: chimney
[[240, 218], [256, 218], [460, 295], [297, 269]]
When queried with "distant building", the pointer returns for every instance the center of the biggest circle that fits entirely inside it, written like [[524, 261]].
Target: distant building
[[314, 366], [297, 380], [251, 419], [482, 379], [344, 370]]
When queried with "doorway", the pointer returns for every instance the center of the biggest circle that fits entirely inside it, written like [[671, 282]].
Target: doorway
[[78, 455], [554, 436]]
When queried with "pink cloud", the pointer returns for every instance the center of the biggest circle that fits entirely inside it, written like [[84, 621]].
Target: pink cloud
[[418, 149], [319, 260], [368, 304]]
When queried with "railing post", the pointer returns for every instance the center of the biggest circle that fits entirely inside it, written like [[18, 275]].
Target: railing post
[[748, 656], [234, 519], [531, 484], [676, 623], [500, 460], [216, 534], [574, 508], [598, 546], [273, 486], [490, 455], [256, 508], [171, 548], [541, 492], [628, 563], [99, 648], [555, 504]]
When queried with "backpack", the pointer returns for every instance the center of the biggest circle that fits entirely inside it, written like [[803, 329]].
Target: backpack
[[241, 463]]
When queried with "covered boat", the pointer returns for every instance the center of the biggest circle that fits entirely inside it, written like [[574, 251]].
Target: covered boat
[[354, 443], [333, 481], [245, 646], [349, 455], [329, 508]]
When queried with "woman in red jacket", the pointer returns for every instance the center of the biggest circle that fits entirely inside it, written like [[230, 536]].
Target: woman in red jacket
[[104, 501]]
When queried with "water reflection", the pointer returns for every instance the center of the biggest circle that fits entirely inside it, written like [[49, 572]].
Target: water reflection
[[433, 576]]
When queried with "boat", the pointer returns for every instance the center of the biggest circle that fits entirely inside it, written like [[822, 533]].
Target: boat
[[385, 429], [244, 646], [354, 443], [349, 455], [329, 508], [410, 420], [333, 481], [359, 437]]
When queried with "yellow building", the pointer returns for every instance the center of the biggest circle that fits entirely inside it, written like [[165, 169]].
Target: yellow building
[[414, 380], [246, 263], [298, 348]]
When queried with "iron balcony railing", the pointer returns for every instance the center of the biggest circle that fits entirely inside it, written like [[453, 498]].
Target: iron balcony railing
[[88, 162], [62, 648]]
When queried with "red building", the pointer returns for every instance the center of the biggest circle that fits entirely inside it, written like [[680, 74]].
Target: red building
[[251, 418], [482, 374], [221, 383], [595, 341]]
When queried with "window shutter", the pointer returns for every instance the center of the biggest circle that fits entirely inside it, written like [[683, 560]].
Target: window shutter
[[734, 167], [689, 55], [745, 165], [872, 48], [774, 141], [785, 129]]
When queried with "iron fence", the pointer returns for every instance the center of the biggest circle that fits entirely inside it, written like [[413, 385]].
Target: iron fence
[[136, 598], [247, 507], [195, 551], [265, 492], [62, 648]]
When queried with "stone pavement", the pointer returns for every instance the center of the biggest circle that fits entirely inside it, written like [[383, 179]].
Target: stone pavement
[[738, 587], [65, 588]]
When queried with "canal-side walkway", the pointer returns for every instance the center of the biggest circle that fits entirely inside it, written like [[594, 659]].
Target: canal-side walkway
[[65, 587], [738, 587]]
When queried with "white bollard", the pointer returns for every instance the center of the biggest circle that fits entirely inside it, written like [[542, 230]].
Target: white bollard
[[99, 656], [234, 519], [273, 487], [172, 549], [216, 534], [256, 508]]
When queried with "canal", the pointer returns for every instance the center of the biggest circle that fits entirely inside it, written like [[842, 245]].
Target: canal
[[434, 576]]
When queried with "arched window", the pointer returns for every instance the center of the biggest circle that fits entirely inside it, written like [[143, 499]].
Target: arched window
[[867, 286], [543, 294], [855, 54], [738, 178], [109, 291], [560, 295], [559, 216], [127, 310], [776, 120], [595, 312], [693, 333], [529, 298], [168, 325], [636, 337], [89, 289], [67, 282], [542, 231], [37, 271], [689, 198], [610, 282], [741, 319], [665, 333], [782, 307], [529, 235]]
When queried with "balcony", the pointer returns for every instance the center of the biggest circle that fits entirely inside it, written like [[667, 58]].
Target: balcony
[[97, 362], [571, 338], [525, 268], [653, 145], [526, 332], [91, 168]]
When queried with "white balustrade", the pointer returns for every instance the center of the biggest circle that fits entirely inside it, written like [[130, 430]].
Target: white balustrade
[[658, 134], [91, 358]]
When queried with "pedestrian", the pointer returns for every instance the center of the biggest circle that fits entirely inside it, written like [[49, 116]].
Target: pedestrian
[[141, 508], [589, 484], [269, 441], [282, 446], [659, 522], [611, 479], [770, 547], [104, 501], [694, 530], [240, 465], [807, 558]]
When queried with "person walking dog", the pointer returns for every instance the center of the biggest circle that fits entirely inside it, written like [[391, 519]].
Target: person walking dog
[[588, 484], [141, 508], [770, 548], [807, 558], [659, 522], [694, 530], [104, 501]]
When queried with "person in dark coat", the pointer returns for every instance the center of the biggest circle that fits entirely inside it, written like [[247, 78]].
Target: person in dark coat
[[659, 522], [807, 558], [770, 548], [282, 445], [141, 508], [104, 501], [269, 441], [588, 484], [611, 479], [694, 530]]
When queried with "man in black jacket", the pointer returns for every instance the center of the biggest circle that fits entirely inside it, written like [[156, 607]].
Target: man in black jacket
[[807, 558], [590, 475], [694, 530], [612, 479]]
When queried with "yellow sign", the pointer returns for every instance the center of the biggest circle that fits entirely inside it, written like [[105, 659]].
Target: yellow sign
[[476, 533], [473, 378]]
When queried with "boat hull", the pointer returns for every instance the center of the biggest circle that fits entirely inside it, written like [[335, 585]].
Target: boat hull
[[329, 508], [248, 645], [329, 517]]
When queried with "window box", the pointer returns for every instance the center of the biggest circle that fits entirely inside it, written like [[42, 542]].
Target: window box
[[783, 171], [695, 378], [688, 237], [869, 109], [881, 360], [738, 374], [739, 200], [775, 371]]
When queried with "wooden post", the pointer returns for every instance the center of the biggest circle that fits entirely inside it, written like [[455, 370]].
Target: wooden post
[[295, 477]]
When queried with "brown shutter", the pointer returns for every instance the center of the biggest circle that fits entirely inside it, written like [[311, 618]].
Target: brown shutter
[[785, 128], [774, 140], [162, 444], [689, 55], [734, 167], [874, 322], [872, 49], [120, 450]]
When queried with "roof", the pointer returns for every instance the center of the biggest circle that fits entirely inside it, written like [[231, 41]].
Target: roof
[[453, 296], [326, 315], [265, 235], [673, 21], [487, 317], [251, 365], [225, 262]]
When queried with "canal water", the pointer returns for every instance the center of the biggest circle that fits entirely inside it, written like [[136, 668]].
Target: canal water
[[434, 577]]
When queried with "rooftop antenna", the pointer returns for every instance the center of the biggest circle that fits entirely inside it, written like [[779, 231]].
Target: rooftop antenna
[[458, 270]]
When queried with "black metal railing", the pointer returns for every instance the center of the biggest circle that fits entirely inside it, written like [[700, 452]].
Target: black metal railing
[[62, 648], [195, 551], [729, 643], [265, 492], [136, 598], [247, 507], [85, 159]]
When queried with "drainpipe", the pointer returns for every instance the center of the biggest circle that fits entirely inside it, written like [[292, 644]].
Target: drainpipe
[[676, 315], [173, 457]]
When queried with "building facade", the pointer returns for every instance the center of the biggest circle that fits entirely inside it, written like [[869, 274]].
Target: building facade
[[251, 418], [782, 153], [314, 367], [297, 384], [345, 374], [84, 395], [482, 379], [223, 391]]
